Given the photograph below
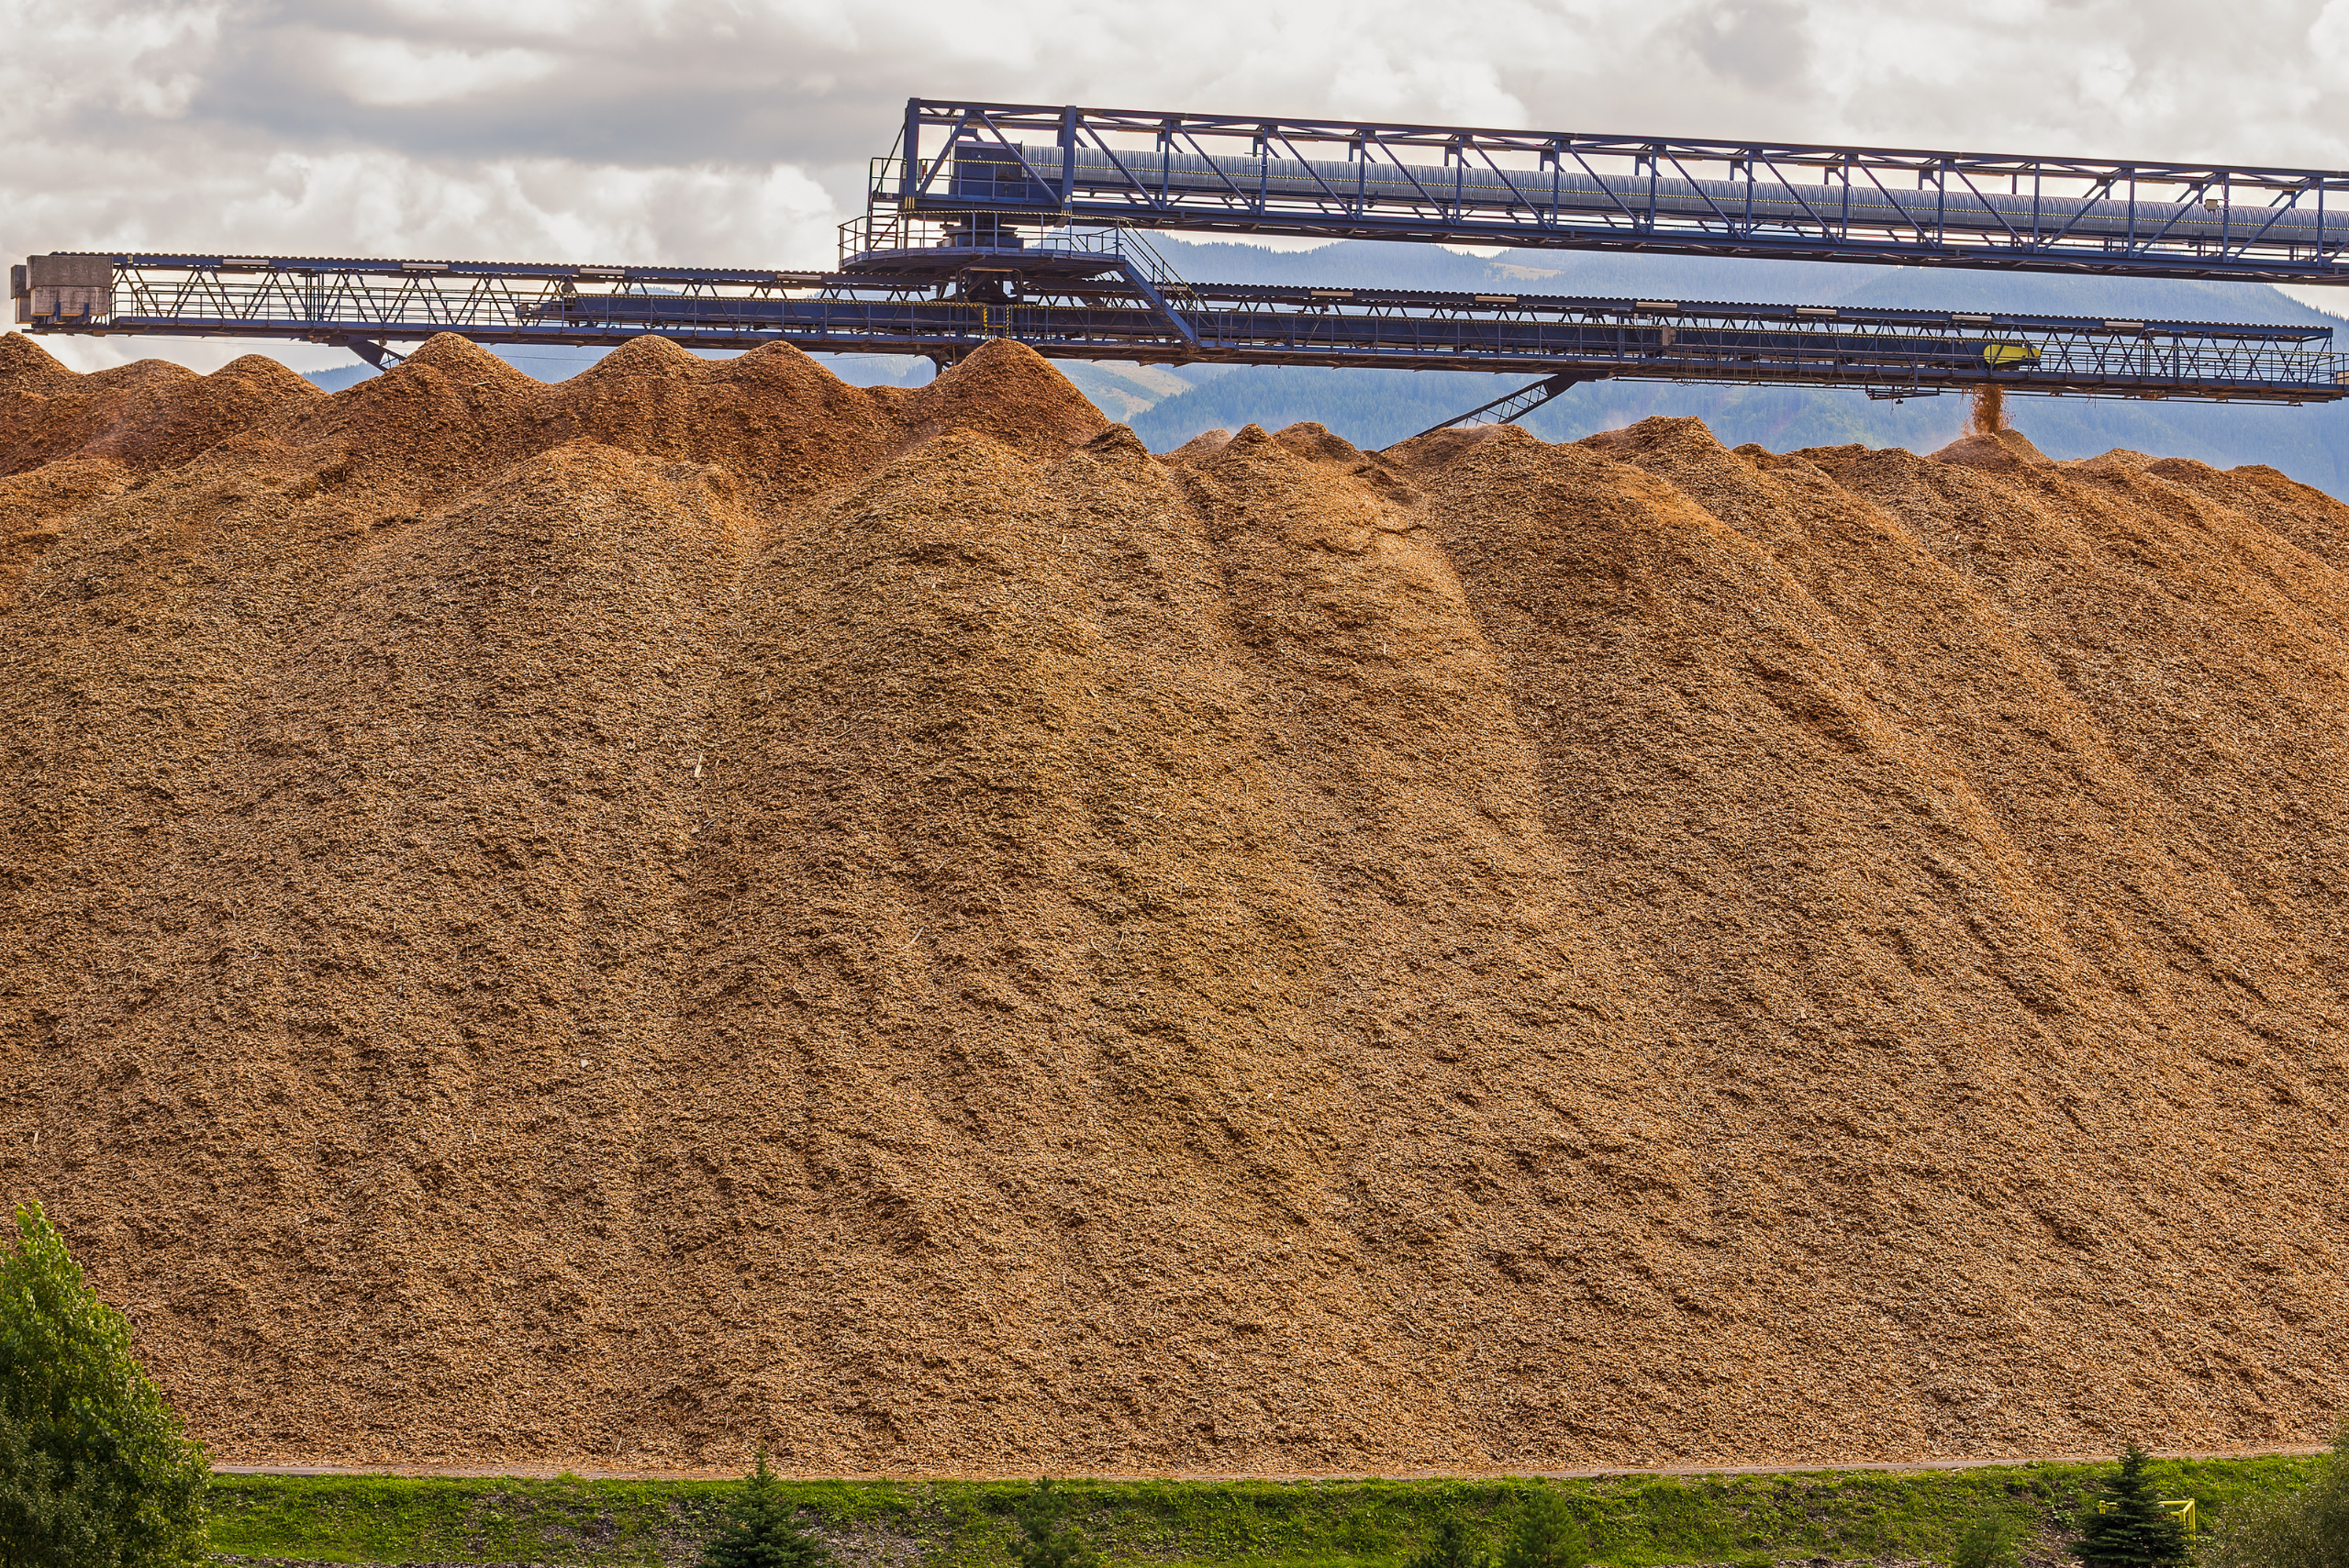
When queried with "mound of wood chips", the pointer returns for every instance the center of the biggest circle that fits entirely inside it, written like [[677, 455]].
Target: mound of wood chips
[[608, 923]]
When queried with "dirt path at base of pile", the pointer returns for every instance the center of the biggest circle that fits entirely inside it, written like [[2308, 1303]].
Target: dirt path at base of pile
[[2028, 1559], [1780, 1467], [592, 927]]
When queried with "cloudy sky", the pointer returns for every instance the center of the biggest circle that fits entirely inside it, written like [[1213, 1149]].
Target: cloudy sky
[[735, 131]]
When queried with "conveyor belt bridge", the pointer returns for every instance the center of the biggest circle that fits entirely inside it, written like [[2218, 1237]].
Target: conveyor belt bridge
[[1029, 222]]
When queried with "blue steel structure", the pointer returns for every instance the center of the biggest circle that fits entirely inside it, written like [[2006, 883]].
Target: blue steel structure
[[994, 234], [1101, 295], [985, 163]]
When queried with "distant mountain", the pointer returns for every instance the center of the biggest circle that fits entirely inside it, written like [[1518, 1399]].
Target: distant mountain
[[339, 377], [550, 362], [1375, 407]]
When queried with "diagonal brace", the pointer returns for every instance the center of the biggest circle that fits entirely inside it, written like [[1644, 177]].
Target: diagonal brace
[[1511, 407]]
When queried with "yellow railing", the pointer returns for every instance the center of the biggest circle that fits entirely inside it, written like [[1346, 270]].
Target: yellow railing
[[2181, 1508]]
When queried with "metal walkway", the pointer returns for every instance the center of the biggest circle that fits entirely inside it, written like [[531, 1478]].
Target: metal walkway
[[1102, 295]]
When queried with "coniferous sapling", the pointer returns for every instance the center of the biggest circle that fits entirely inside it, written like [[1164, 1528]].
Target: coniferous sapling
[[95, 1469], [1450, 1547], [1547, 1535], [2133, 1529], [1046, 1541], [763, 1532], [1990, 1541]]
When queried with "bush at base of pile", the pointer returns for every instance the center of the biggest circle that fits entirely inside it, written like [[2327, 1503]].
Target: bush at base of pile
[[95, 1469]]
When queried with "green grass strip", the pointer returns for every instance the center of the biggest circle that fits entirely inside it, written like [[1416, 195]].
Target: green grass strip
[[1633, 1521]]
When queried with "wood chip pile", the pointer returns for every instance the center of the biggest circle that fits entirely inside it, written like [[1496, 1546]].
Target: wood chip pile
[[602, 924]]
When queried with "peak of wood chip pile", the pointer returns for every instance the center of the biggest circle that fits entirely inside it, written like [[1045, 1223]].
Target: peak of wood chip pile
[[603, 923]]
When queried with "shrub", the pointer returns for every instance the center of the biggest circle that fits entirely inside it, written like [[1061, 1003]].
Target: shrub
[[2131, 1529], [1547, 1535], [95, 1469], [1046, 1541], [2306, 1528], [764, 1532]]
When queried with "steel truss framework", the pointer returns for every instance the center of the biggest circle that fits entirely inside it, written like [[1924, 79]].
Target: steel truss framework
[[1511, 407], [1334, 179], [1101, 294]]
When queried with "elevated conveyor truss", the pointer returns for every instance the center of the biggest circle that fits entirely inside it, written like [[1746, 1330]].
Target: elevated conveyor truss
[[1370, 180], [1101, 294]]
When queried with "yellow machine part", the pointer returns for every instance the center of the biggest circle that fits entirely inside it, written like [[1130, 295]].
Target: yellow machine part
[[1999, 356]]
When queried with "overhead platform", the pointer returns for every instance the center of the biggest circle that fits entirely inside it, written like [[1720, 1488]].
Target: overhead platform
[[1371, 180], [1102, 295]]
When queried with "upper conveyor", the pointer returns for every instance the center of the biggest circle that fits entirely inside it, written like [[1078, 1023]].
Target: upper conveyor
[[1365, 179]]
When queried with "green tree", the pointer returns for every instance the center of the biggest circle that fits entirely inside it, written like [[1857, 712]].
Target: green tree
[[764, 1531], [2305, 1528], [1547, 1535], [96, 1470], [1046, 1539], [1990, 1541], [1451, 1546], [2130, 1529]]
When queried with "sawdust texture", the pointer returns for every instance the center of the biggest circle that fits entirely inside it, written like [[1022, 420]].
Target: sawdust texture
[[601, 924]]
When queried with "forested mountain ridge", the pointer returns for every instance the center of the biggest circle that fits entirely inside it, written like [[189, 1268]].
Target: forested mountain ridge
[[1377, 407]]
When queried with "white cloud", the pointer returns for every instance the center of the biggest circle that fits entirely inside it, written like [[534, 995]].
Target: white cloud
[[388, 72], [378, 204], [540, 18], [61, 63], [2332, 299], [2328, 35]]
